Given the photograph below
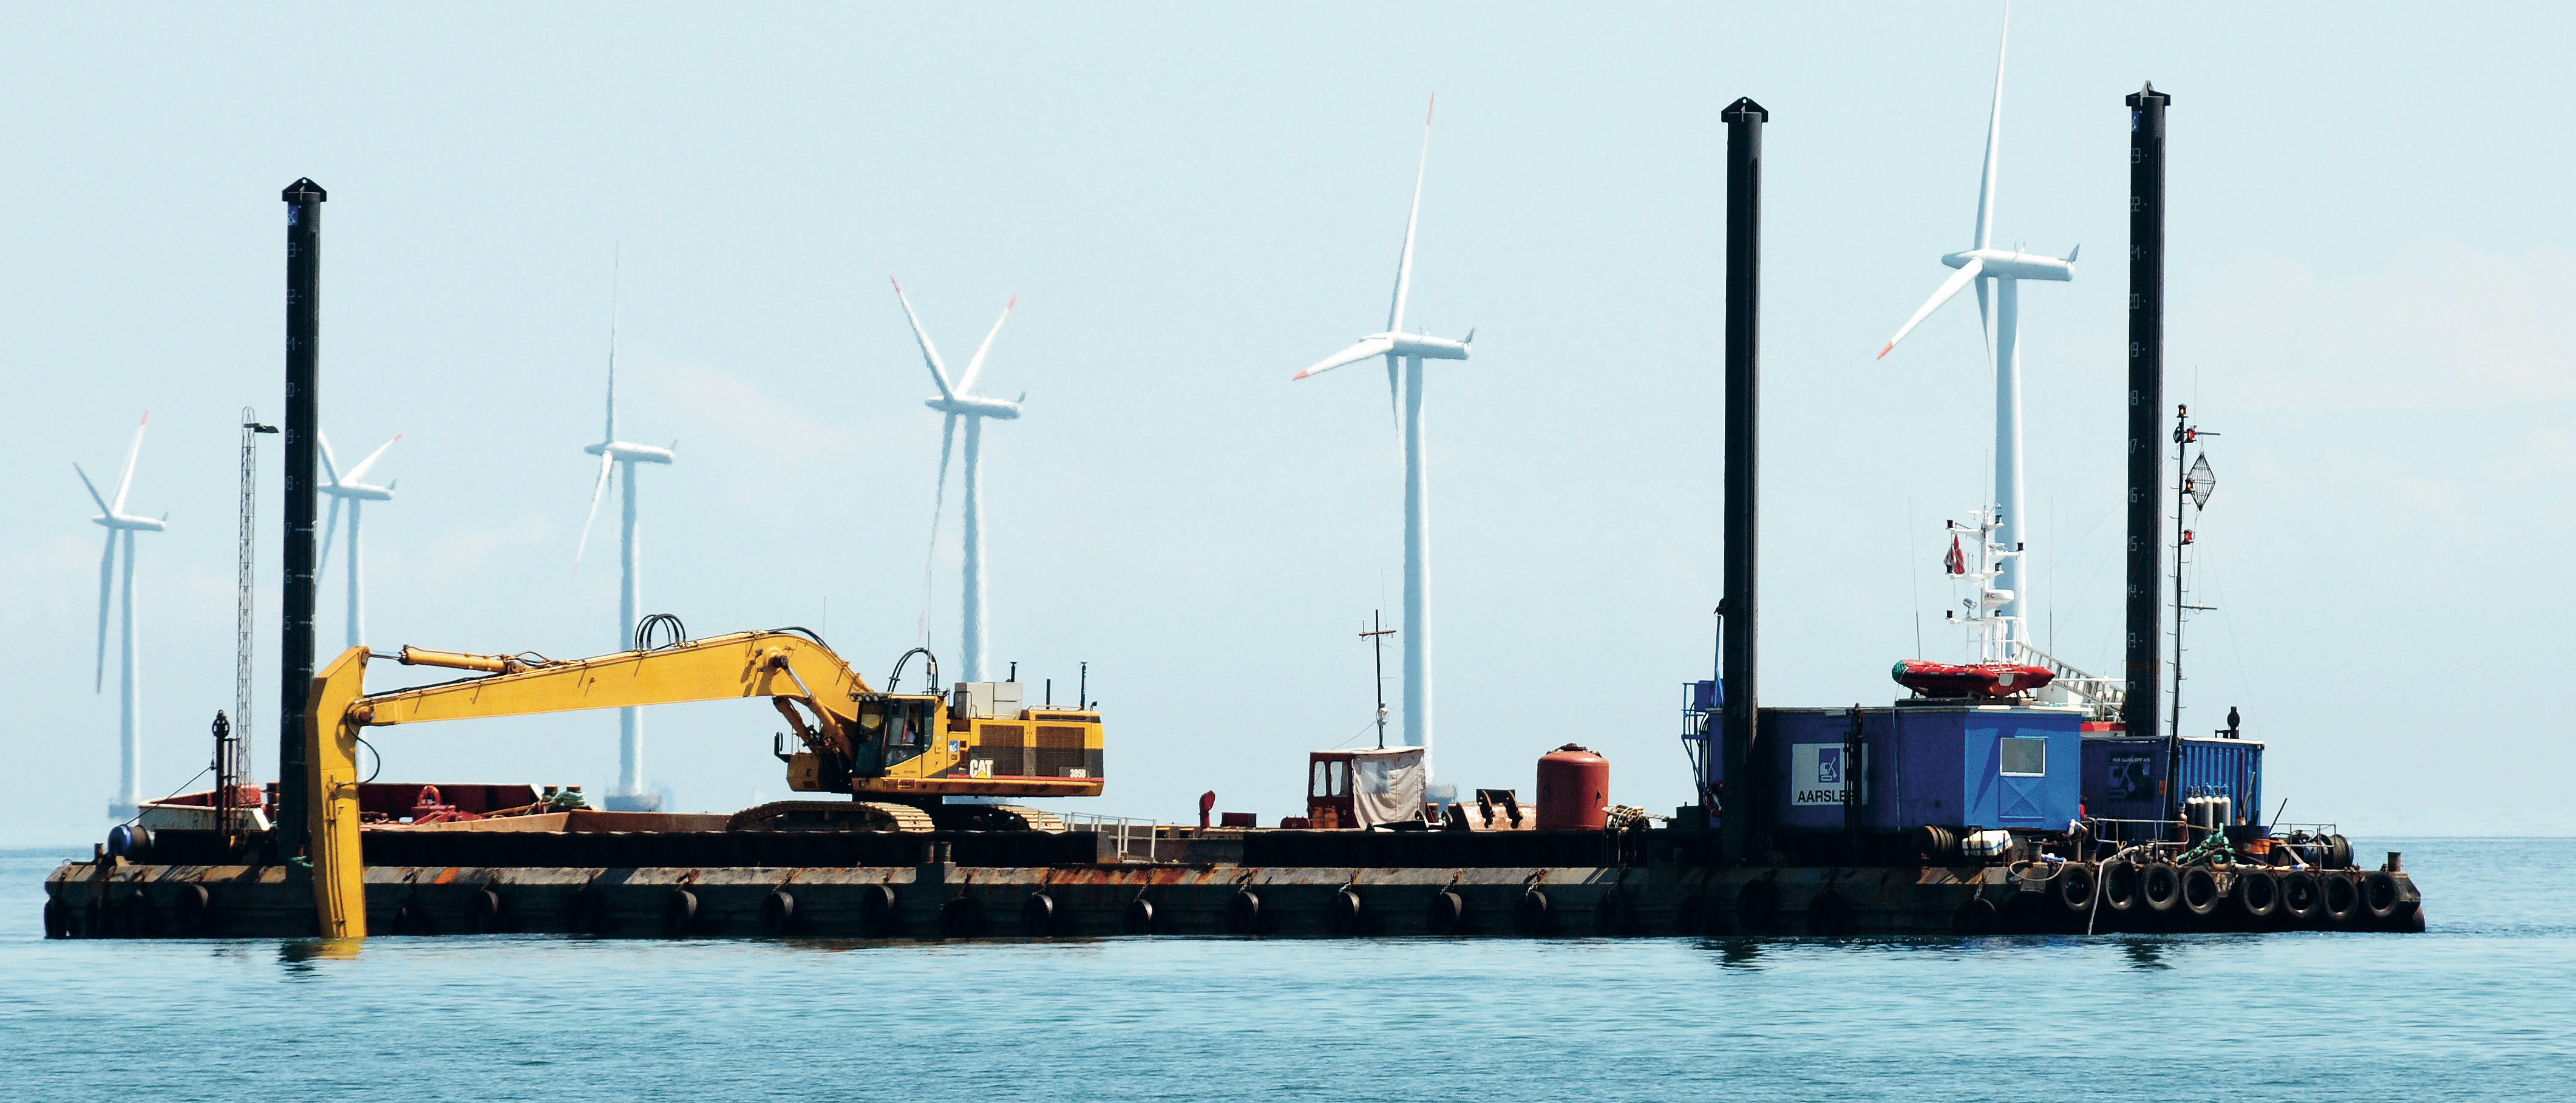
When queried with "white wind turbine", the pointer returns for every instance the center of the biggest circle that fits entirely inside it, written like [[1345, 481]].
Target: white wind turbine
[[630, 794], [2001, 317], [121, 527], [958, 401], [1409, 350], [351, 488]]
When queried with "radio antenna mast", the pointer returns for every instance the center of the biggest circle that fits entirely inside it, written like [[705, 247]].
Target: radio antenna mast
[[1376, 632]]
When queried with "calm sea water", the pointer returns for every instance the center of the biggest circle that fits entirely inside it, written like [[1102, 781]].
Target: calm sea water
[[2483, 1006]]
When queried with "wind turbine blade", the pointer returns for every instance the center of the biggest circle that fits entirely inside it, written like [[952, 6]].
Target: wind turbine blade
[[596, 492], [1394, 409], [1949, 287], [1994, 142], [330, 463], [330, 528], [1374, 346], [359, 473], [929, 355], [975, 367], [106, 581], [135, 450], [93, 491], [1986, 322], [938, 505], [1404, 260]]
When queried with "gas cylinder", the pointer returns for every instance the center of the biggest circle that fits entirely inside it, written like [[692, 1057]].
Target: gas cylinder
[[1573, 790]]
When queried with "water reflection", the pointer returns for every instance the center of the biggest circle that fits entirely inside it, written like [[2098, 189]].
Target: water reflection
[[2147, 953], [1735, 953], [299, 954]]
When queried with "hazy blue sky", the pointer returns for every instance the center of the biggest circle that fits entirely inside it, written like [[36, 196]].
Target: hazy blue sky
[[2372, 261]]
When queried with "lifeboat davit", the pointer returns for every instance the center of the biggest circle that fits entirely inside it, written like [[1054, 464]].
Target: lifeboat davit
[[1994, 680]]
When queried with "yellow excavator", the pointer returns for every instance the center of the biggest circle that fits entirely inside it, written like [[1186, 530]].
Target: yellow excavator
[[898, 756]]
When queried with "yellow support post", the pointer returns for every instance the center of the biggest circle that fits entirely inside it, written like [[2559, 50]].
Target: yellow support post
[[331, 777]]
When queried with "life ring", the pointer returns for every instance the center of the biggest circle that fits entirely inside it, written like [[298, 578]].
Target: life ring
[[777, 912], [2201, 894], [1530, 917], [2075, 888], [2258, 893], [2160, 886], [679, 911], [2380, 895], [2300, 899]]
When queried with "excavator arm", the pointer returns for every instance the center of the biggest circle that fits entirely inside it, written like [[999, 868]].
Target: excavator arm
[[789, 669]]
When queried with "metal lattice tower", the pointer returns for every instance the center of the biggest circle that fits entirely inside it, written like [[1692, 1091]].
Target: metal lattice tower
[[244, 557]]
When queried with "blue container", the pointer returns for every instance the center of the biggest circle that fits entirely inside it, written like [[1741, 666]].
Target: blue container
[[2124, 776], [1945, 765]]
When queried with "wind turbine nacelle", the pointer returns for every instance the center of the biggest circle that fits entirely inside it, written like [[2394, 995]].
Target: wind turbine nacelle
[[971, 406], [2006, 264], [121, 521], [623, 452], [1424, 346]]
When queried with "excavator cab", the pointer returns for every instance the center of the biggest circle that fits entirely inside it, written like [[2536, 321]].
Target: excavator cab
[[891, 731]]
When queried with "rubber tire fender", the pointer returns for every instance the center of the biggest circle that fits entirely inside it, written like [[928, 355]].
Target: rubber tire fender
[[679, 912], [1531, 917], [2258, 893], [2300, 900], [191, 911], [2380, 895], [2075, 888], [2120, 886], [961, 917], [58, 919], [778, 913], [1243, 913], [588, 911], [878, 914], [1139, 918], [1446, 913], [483, 914], [2160, 886], [2339, 897], [1829, 914], [1038, 915], [1612, 915], [1342, 915], [1757, 907], [1976, 917], [2201, 894]]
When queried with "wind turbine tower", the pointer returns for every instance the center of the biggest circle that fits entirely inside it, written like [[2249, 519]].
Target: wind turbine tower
[[630, 794], [353, 489], [121, 527], [1407, 351], [960, 402], [2000, 313]]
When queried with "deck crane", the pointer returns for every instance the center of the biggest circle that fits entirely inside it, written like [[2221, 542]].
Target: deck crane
[[897, 755]]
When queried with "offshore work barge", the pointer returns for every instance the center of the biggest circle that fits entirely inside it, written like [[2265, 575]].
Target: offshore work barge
[[2002, 797]]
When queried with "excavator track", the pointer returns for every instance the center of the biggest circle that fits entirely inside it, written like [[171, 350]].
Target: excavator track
[[998, 817], [833, 815]]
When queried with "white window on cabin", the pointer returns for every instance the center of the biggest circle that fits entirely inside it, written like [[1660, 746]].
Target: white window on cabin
[[2021, 756]]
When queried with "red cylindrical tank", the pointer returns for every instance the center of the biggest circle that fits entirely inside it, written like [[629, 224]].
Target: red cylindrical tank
[[1573, 790]]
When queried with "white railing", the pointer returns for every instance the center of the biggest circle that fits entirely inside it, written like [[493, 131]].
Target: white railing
[[1125, 831], [2101, 697]]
